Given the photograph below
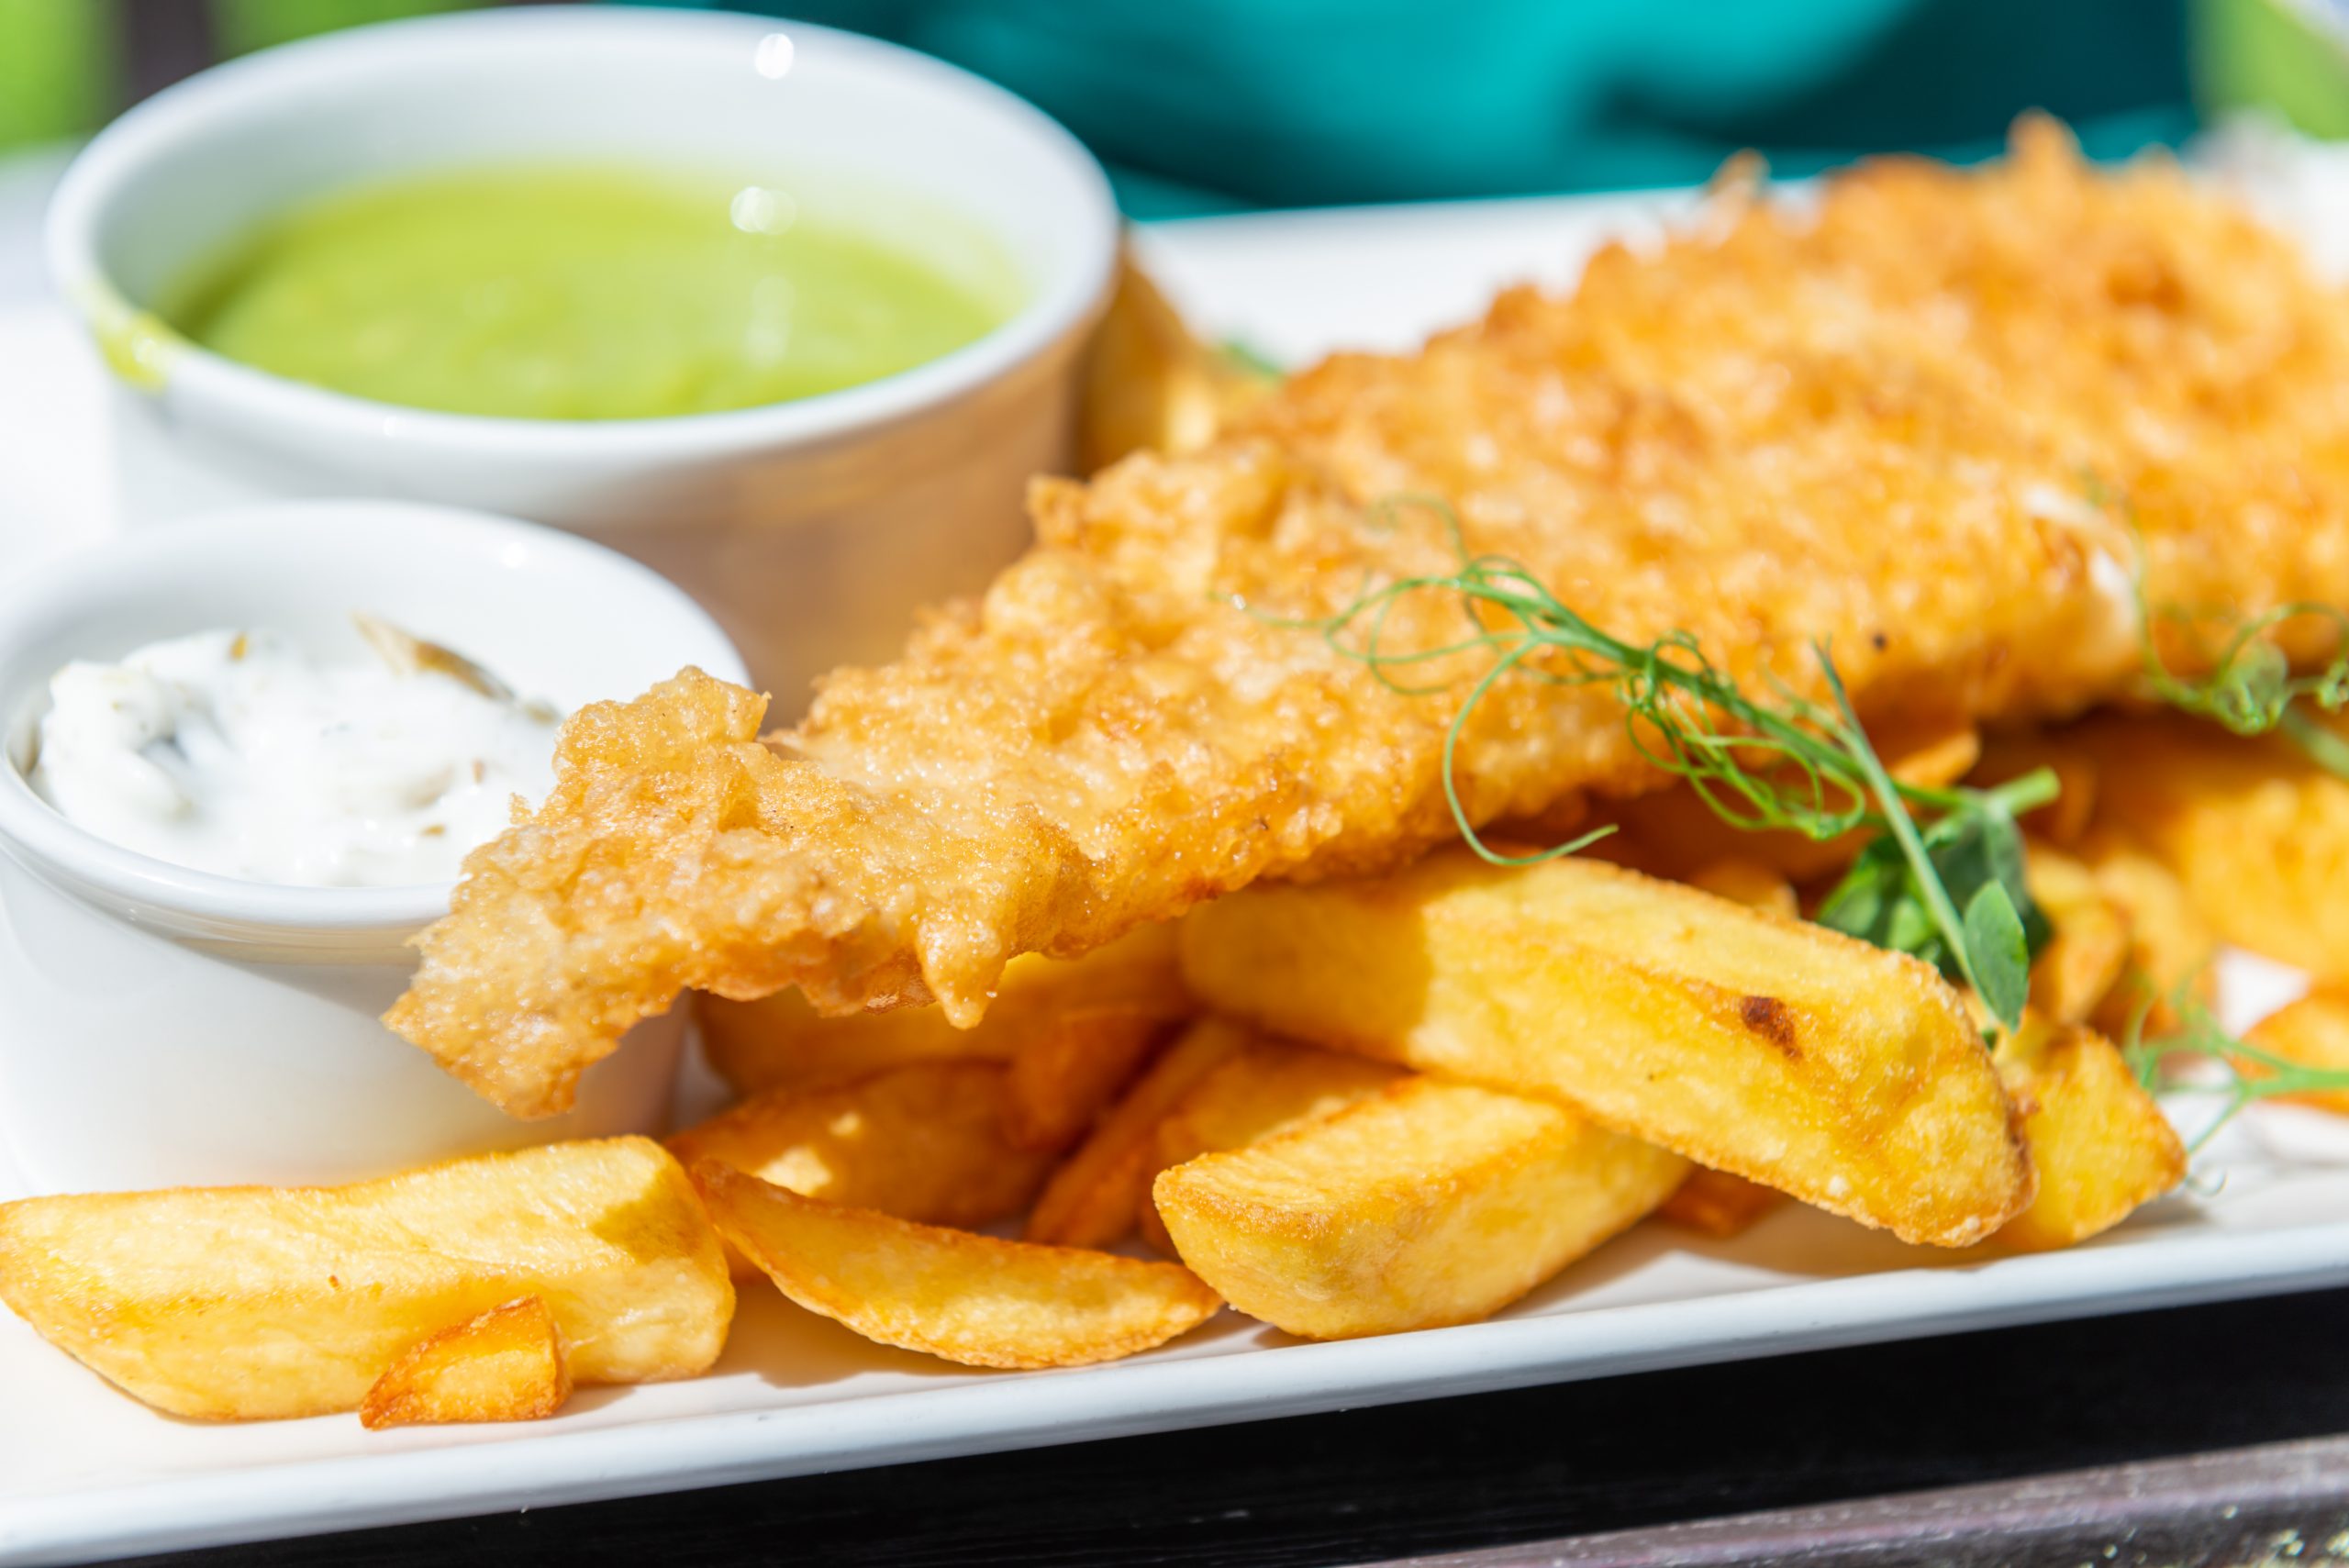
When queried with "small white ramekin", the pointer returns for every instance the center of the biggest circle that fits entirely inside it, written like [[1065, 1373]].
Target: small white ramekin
[[162, 1027], [812, 529]]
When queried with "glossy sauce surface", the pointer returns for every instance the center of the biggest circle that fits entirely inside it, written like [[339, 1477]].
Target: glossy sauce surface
[[577, 292]]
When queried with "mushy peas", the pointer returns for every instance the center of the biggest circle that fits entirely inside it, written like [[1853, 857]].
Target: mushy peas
[[576, 292]]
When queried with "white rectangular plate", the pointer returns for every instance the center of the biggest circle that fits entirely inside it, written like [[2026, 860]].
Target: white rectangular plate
[[85, 1472]]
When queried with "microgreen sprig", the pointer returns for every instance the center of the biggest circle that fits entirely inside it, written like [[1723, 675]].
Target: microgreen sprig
[[2250, 1074], [2250, 687], [1942, 878]]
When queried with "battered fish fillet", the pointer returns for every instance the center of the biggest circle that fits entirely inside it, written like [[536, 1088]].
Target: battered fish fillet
[[1916, 422]]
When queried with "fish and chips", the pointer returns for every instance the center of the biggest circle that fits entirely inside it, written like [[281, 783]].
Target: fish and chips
[[1127, 914]]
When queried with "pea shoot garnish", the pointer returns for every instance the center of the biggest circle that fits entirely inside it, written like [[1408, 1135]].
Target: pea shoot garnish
[[1941, 876], [2249, 687], [2200, 1056]]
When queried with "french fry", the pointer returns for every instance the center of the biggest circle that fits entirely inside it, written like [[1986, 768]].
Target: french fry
[[2101, 1146], [1267, 1086], [2009, 755], [924, 1142], [973, 1299], [248, 1303], [782, 1041], [505, 1365], [1426, 1203], [1716, 1204], [2312, 1031], [1846, 1076], [2170, 943], [2089, 952], [1091, 1201], [1149, 384], [1747, 882], [1068, 1070], [2255, 828]]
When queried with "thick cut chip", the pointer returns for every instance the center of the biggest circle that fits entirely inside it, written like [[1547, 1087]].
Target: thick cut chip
[[2090, 953], [2256, 830], [1149, 384], [246, 1303], [1091, 1201], [1748, 882], [1424, 1204], [1266, 1087], [2012, 753], [1068, 1070], [2100, 1144], [780, 1041], [1263, 1089], [973, 1299], [1716, 1204], [505, 1365], [923, 1142], [2171, 945], [1777, 1051], [2314, 1032]]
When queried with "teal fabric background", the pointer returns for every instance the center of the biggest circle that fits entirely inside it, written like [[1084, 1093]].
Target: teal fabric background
[[1215, 104]]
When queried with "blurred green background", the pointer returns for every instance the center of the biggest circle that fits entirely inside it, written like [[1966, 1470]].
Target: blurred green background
[[1217, 104]]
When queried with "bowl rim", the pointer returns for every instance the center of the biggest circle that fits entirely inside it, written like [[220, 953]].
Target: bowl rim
[[1090, 236], [210, 904]]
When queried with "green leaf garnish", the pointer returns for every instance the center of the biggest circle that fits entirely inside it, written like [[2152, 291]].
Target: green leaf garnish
[[1790, 764], [2001, 953], [1974, 851]]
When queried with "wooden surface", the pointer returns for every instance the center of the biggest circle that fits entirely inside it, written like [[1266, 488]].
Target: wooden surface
[[2278, 1505], [1461, 1474]]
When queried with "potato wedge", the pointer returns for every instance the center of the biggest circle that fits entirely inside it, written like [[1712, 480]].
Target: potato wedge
[[2064, 821], [1775, 1051], [924, 1141], [246, 1303], [1091, 1201], [973, 1299], [780, 1041], [1149, 384], [1268, 1086], [1426, 1203], [2170, 943], [1718, 1204], [1068, 1070], [505, 1365], [2312, 1031], [2255, 829], [1748, 882], [2089, 952], [2100, 1142]]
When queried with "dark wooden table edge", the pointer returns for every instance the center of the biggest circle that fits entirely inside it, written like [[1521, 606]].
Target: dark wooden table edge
[[2276, 1502]]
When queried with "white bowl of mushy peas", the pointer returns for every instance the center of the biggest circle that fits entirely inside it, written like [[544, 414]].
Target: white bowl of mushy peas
[[245, 757], [788, 314]]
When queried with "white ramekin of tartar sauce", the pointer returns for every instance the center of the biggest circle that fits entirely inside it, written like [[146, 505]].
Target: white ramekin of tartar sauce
[[245, 755]]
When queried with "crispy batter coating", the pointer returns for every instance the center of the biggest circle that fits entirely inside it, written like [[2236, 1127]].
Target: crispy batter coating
[[1917, 421]]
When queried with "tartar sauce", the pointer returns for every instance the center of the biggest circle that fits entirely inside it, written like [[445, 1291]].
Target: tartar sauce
[[236, 752]]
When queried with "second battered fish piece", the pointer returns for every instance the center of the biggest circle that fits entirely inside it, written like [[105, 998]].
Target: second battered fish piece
[[1918, 425]]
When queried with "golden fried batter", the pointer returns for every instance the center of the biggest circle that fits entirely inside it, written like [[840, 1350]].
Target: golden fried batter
[[1916, 422]]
